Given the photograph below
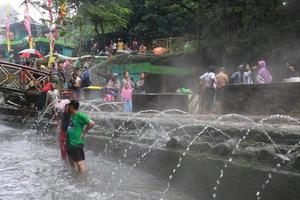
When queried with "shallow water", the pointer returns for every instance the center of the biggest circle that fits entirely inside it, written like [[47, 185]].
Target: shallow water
[[31, 168]]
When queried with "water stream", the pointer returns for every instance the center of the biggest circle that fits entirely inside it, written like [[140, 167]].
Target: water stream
[[31, 168]]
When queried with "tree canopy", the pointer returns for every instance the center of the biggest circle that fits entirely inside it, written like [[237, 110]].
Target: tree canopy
[[224, 30]]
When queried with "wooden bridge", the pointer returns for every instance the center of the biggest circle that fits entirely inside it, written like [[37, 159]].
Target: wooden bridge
[[19, 79], [21, 85]]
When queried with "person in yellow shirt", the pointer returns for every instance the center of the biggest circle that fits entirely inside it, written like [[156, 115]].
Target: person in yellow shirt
[[143, 49], [120, 45]]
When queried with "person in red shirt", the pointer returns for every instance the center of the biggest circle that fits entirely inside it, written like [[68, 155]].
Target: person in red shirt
[[64, 124]]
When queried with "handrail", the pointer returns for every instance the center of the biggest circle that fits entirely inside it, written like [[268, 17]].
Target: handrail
[[18, 78], [18, 66]]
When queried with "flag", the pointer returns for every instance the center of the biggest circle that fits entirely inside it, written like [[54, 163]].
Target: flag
[[8, 28], [27, 24]]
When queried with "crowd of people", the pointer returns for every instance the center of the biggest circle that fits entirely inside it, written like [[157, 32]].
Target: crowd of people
[[119, 46], [69, 79], [116, 90], [65, 81], [212, 83]]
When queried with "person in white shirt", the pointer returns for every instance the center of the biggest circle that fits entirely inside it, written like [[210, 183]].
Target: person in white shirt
[[209, 85], [53, 95], [247, 75], [76, 85], [114, 47]]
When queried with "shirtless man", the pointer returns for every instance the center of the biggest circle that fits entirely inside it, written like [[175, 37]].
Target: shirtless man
[[222, 81]]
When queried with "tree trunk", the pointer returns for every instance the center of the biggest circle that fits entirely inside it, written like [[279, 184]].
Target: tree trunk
[[198, 27], [97, 38], [102, 37]]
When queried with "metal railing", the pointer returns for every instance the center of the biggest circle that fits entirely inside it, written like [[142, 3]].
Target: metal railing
[[173, 45]]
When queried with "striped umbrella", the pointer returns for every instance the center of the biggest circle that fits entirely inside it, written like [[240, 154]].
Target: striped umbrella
[[26, 53]]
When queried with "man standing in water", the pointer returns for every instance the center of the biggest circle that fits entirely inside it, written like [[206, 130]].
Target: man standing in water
[[222, 80], [78, 128], [208, 83]]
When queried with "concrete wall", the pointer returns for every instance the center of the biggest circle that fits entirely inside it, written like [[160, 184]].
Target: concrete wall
[[198, 174], [275, 98], [160, 101]]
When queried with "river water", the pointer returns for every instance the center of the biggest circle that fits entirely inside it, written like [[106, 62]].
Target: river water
[[31, 168]]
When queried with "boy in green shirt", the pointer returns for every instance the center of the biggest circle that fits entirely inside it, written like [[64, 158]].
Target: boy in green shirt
[[78, 128]]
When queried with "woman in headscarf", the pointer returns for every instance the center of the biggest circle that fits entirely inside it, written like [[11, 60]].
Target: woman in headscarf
[[263, 75]]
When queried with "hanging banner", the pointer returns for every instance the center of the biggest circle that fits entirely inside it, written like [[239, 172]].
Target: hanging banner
[[54, 26], [51, 35], [27, 24], [8, 29], [50, 10]]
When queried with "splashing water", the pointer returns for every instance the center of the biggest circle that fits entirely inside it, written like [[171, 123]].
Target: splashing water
[[158, 127]]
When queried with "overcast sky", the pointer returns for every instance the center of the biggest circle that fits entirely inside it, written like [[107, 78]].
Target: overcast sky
[[16, 4]]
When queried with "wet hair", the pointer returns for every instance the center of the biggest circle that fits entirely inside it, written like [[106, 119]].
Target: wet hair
[[126, 73], [211, 69], [292, 64], [74, 104]]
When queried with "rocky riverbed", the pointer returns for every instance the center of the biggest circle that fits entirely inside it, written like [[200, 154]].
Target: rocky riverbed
[[161, 142], [263, 141]]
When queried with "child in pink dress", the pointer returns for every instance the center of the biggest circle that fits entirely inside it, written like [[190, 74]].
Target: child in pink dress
[[126, 94]]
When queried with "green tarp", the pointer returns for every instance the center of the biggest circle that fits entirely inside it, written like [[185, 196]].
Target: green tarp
[[149, 68]]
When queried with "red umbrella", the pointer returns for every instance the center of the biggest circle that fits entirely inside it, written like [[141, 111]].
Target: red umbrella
[[26, 53], [159, 51]]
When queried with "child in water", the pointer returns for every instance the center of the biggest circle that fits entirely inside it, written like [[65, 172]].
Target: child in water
[[126, 95], [109, 96], [64, 115]]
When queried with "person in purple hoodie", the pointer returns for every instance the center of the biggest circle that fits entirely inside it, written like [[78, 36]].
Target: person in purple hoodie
[[263, 75]]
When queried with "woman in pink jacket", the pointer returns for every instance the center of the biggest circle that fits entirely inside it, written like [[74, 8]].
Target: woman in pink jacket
[[126, 94]]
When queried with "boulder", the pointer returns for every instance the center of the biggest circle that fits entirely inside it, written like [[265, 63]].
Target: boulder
[[249, 152], [296, 163], [232, 142], [201, 147], [116, 134], [266, 153], [222, 149], [148, 141], [173, 143]]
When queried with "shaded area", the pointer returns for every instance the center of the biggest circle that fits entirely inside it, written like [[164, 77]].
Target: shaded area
[[262, 98]]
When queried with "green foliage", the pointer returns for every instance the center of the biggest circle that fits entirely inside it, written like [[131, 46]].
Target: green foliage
[[103, 15], [224, 30], [105, 12]]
